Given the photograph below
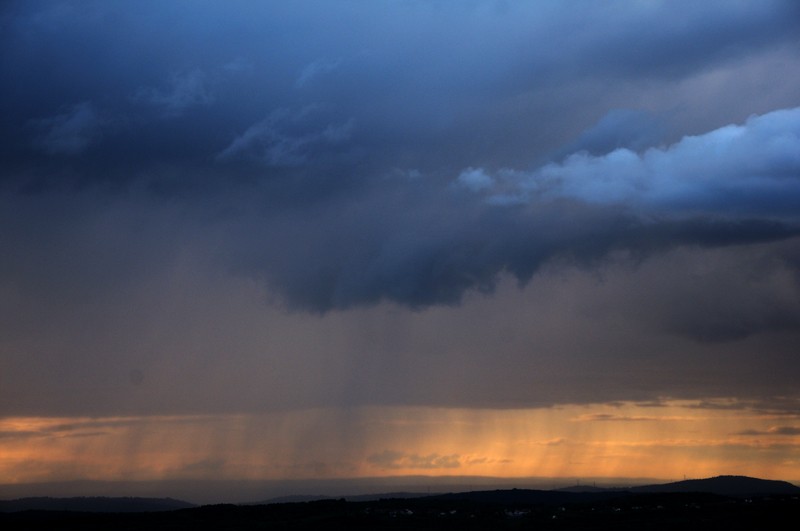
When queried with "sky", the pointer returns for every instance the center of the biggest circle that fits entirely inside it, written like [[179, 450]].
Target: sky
[[349, 239]]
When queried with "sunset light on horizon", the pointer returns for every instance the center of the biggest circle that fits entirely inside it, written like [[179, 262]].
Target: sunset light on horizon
[[663, 440]]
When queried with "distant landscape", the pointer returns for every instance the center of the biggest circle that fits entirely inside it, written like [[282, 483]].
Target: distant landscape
[[736, 502], [206, 492]]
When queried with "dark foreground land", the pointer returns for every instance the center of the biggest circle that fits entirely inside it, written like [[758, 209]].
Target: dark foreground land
[[496, 510]]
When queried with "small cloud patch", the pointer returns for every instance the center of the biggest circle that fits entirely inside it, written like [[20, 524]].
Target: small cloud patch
[[396, 460]]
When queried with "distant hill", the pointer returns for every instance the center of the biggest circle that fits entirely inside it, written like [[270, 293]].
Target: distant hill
[[386, 496], [529, 496], [94, 504], [355, 498], [728, 486], [510, 509], [737, 486], [587, 488], [296, 498]]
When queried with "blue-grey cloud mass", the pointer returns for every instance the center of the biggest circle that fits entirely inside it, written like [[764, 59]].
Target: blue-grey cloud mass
[[236, 167]]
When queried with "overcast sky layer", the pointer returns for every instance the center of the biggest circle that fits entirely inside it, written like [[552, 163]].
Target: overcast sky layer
[[265, 208]]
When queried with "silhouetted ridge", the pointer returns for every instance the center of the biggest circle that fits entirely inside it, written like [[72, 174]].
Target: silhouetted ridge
[[728, 486], [511, 509], [94, 504], [739, 486], [529, 496]]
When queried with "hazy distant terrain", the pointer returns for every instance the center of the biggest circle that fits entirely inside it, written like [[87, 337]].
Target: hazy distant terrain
[[748, 503], [225, 491], [94, 504]]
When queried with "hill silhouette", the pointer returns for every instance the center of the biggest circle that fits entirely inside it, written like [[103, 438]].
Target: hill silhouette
[[722, 486], [527, 496], [734, 503], [738, 486], [97, 504]]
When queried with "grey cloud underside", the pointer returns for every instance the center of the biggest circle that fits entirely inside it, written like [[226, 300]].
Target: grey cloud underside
[[298, 143], [161, 172], [436, 254], [734, 185]]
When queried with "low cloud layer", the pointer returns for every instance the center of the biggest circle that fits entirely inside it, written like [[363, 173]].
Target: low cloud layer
[[390, 459], [736, 171]]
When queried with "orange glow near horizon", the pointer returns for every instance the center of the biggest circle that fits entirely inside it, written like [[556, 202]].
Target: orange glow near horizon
[[669, 441]]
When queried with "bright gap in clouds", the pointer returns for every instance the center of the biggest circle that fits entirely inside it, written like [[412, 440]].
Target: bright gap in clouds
[[661, 440]]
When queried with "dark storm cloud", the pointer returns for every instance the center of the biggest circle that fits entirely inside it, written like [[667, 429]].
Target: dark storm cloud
[[287, 138], [310, 136], [419, 250], [183, 91], [70, 132], [734, 185], [389, 67], [267, 92], [347, 155]]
